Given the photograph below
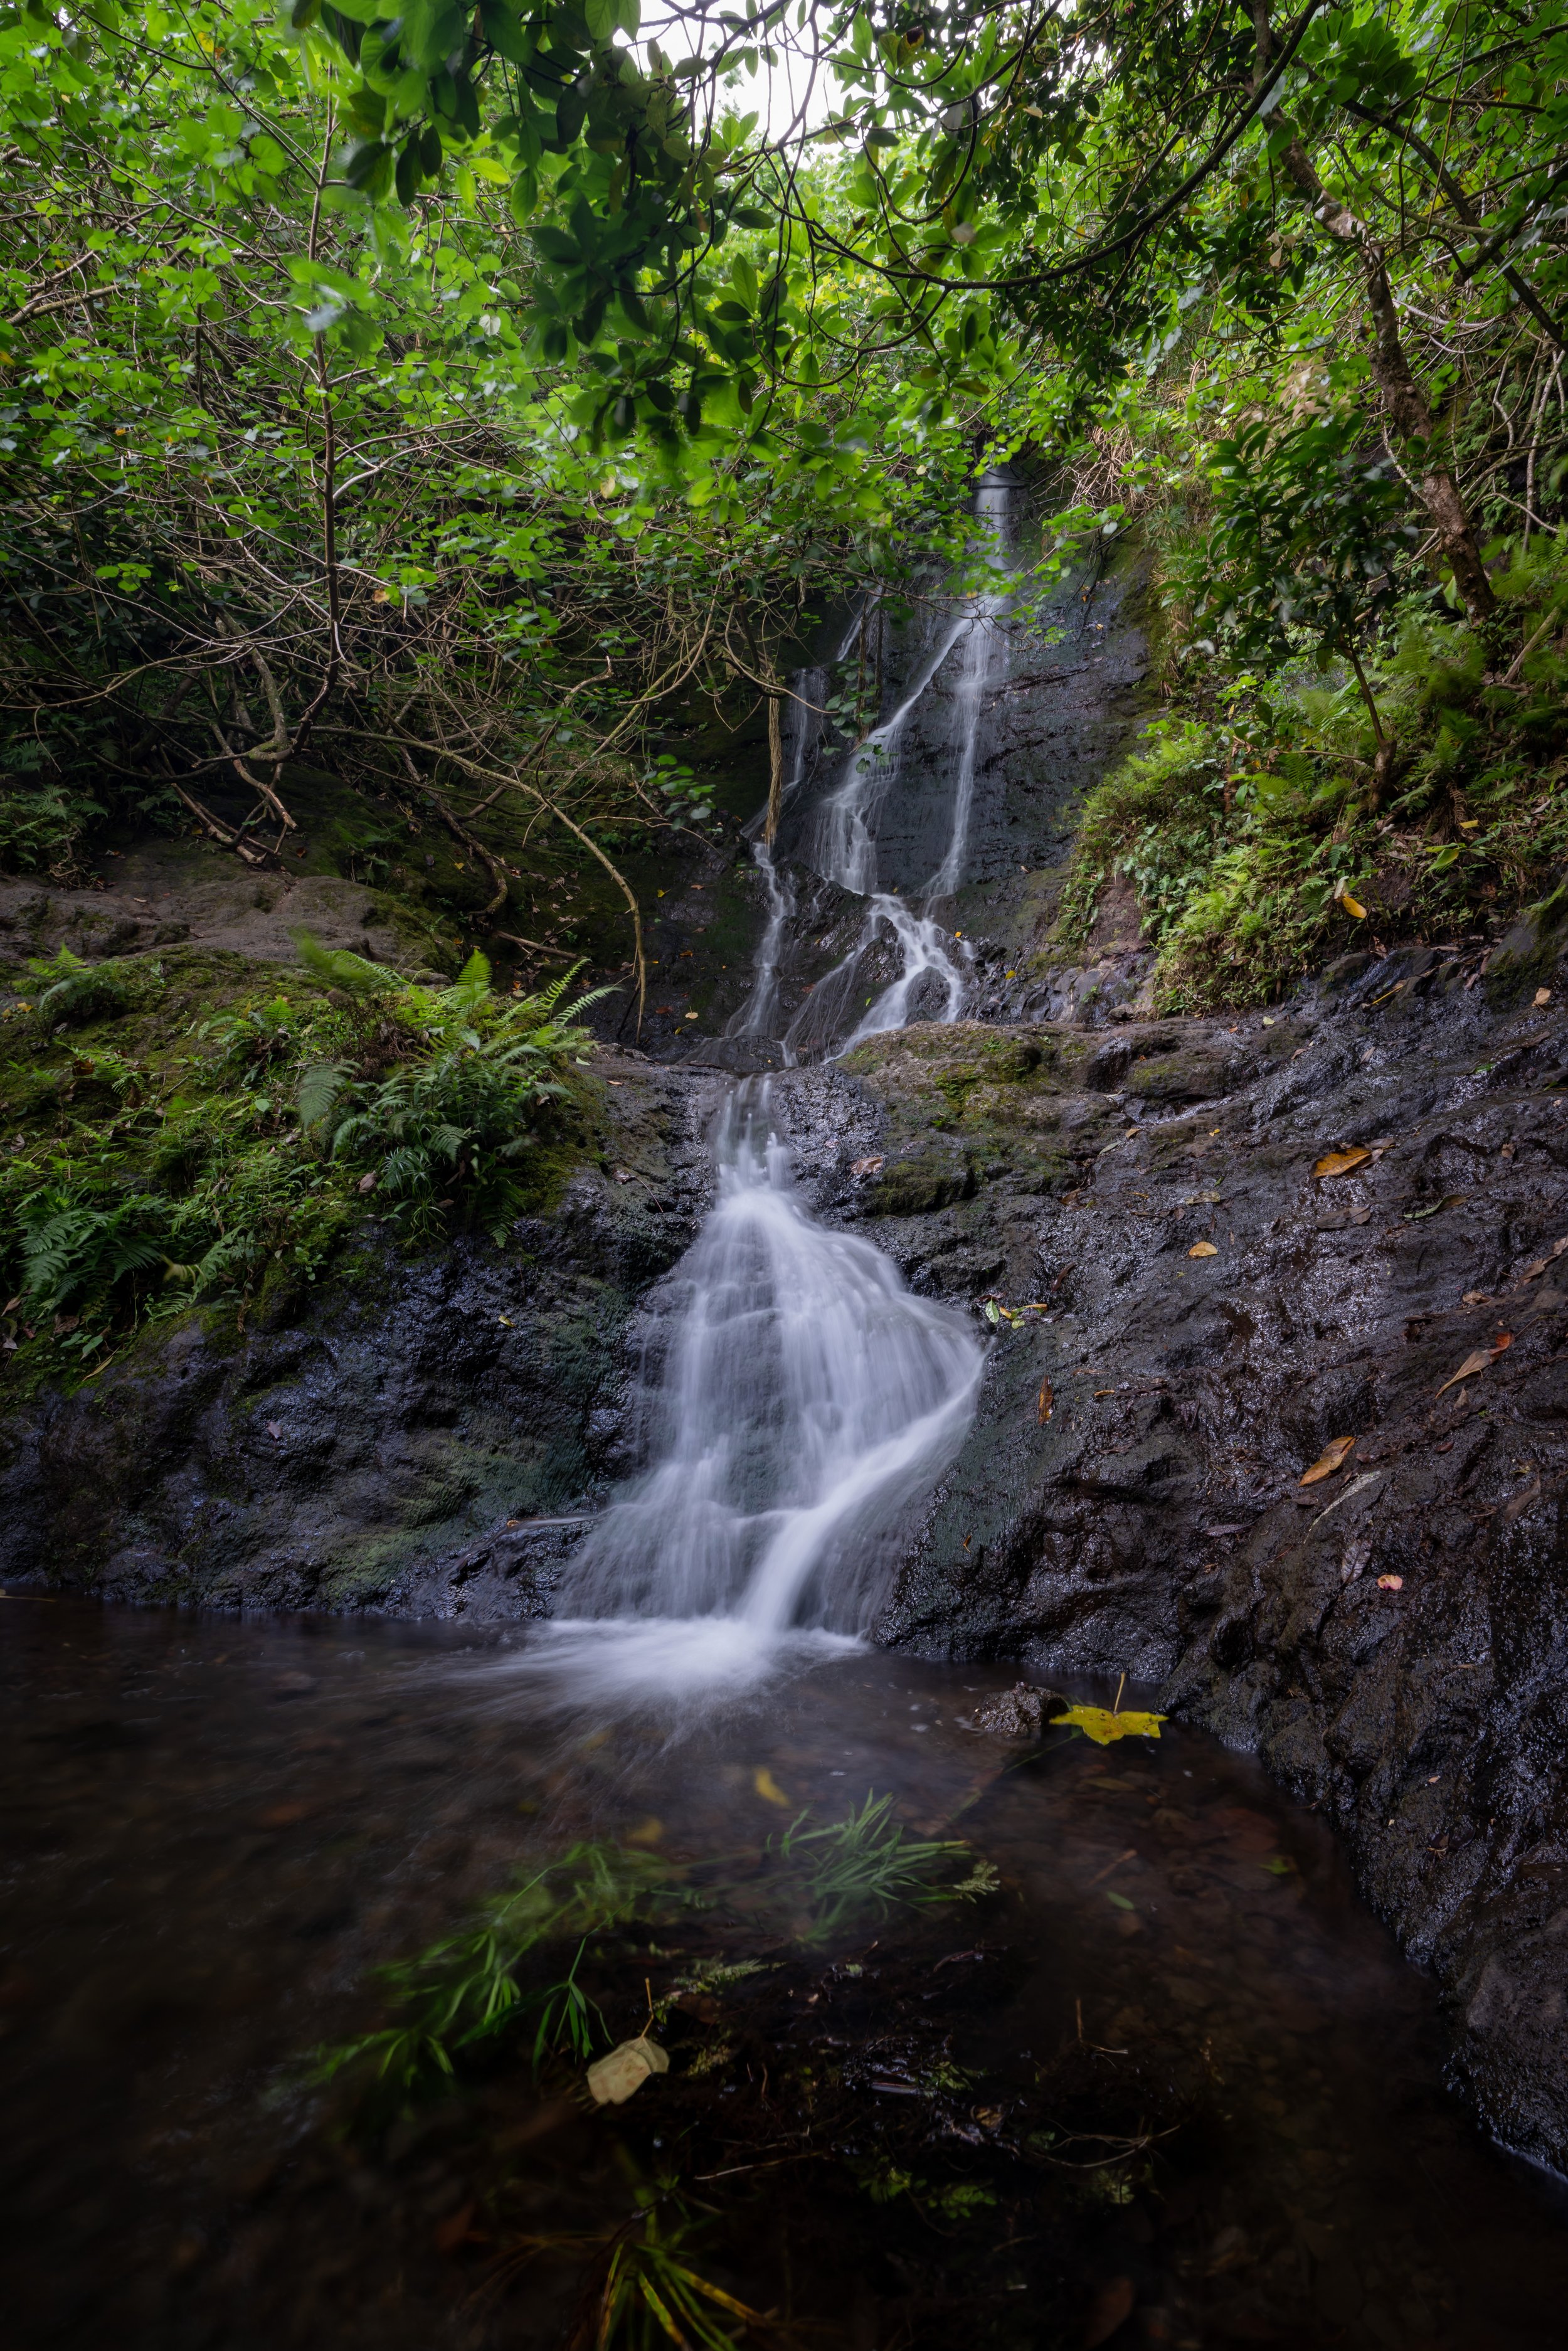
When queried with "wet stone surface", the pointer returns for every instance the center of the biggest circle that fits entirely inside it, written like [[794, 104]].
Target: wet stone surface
[[1169, 2083], [388, 1440], [1184, 1318]]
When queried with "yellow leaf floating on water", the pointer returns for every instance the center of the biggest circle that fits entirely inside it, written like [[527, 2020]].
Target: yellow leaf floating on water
[[1328, 1460], [1098, 1723], [768, 1787], [614, 2079], [1339, 1163], [1203, 1248]]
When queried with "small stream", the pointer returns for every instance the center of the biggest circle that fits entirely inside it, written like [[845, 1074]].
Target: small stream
[[1155, 2078], [1198, 2086]]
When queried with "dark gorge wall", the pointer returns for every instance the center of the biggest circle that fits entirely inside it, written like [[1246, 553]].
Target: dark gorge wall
[[1392, 1638], [363, 1443]]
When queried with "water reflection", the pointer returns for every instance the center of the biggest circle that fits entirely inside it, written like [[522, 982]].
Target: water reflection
[[214, 1830]]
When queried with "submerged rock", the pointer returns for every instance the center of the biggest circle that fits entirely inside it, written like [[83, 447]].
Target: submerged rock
[[1019, 1713]]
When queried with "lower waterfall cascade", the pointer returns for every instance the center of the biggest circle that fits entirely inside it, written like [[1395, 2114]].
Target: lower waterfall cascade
[[796, 1399]]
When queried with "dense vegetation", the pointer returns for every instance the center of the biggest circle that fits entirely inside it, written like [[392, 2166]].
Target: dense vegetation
[[467, 412], [203, 1131]]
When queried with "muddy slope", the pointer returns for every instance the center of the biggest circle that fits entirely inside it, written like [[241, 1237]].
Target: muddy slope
[[1392, 1638]]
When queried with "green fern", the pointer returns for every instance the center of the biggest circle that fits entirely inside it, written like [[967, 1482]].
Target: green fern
[[75, 991]]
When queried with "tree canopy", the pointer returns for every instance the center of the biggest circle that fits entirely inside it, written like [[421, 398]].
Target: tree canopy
[[444, 398]]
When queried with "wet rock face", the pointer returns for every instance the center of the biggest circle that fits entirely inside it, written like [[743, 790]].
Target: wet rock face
[[391, 1442], [1187, 1319]]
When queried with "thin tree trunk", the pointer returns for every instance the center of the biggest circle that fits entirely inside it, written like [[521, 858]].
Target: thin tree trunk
[[775, 767], [1403, 400]]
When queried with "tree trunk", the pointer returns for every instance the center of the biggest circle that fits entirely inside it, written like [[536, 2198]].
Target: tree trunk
[[1403, 400]]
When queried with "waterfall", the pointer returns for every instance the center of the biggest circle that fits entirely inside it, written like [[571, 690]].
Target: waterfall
[[932, 978], [842, 845], [803, 722], [795, 1402], [980, 648]]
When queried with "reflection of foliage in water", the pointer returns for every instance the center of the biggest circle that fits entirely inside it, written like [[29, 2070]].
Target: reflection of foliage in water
[[811, 1884]]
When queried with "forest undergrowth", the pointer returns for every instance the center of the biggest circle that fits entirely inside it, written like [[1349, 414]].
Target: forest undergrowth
[[432, 444]]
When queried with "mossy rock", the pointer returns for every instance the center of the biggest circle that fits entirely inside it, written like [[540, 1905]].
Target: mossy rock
[[914, 1188], [1178, 1076]]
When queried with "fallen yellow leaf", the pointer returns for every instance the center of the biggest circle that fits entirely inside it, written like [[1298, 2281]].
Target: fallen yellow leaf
[[1478, 1360], [768, 1787], [1339, 1163], [1203, 1248], [1328, 1460], [1541, 996], [1098, 1723], [1353, 906], [612, 2080]]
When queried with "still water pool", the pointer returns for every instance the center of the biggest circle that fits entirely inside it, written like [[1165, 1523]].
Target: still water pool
[[1166, 2084]]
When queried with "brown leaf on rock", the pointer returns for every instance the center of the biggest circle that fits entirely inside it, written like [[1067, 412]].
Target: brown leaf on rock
[[1391, 1584], [1483, 1297], [1329, 1460], [1478, 1360], [1203, 1248], [1046, 1403], [872, 1167], [1339, 1163], [1516, 1507]]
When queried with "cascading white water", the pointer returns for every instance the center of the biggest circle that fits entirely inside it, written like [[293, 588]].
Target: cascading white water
[[981, 646], [931, 982], [930, 954], [804, 724], [843, 845], [796, 1401]]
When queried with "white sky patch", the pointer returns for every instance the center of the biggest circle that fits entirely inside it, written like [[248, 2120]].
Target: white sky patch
[[786, 97]]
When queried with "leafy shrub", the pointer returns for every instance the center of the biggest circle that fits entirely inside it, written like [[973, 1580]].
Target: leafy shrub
[[40, 822], [76, 1250], [453, 1123]]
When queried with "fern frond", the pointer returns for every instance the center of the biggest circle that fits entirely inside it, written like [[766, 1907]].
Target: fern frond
[[470, 987], [316, 1096], [337, 967]]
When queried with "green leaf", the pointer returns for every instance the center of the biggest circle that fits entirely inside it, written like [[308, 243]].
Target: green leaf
[[369, 167], [505, 32], [557, 247]]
